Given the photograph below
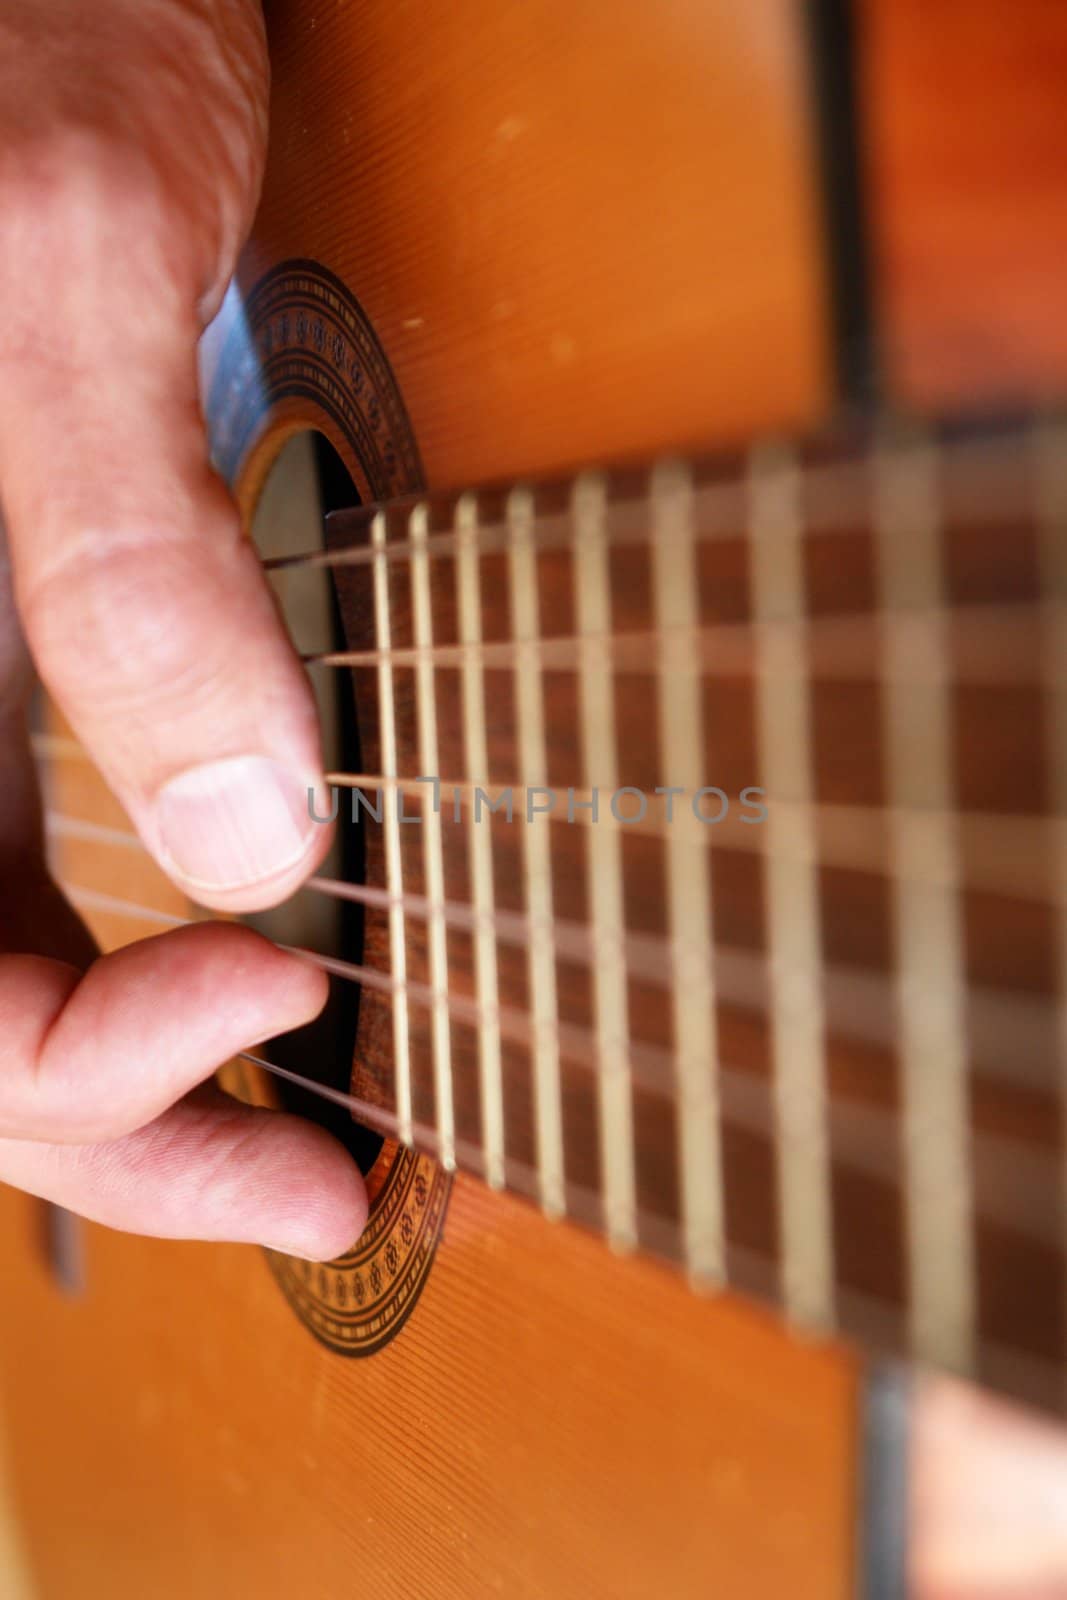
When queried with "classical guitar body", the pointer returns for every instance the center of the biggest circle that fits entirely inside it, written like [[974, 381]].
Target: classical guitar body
[[526, 250]]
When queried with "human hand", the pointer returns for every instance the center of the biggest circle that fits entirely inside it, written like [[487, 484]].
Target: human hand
[[132, 135]]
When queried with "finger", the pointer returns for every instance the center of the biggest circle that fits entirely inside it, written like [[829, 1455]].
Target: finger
[[89, 1058], [209, 1168], [144, 606]]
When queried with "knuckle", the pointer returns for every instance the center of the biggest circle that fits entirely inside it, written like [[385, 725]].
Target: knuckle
[[109, 629], [86, 214], [71, 172]]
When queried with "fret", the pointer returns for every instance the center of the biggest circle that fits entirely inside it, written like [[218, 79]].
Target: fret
[[537, 860], [1021, 848], [433, 859], [1004, 854], [791, 895], [480, 840], [986, 492], [391, 830], [1050, 450], [688, 882], [592, 584], [931, 985], [1008, 1030]]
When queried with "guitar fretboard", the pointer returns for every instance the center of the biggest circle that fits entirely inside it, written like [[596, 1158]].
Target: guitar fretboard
[[813, 1048], [715, 827]]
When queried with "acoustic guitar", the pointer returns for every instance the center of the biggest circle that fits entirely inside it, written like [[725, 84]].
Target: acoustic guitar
[[677, 383]]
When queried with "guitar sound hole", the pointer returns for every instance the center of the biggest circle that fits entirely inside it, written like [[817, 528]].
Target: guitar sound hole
[[307, 481]]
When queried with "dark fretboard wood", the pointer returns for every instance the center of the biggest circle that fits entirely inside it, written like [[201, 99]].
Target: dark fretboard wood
[[818, 1056]]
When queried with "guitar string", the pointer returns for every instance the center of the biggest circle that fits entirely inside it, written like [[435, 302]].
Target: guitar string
[[397, 658], [511, 656], [979, 487], [988, 643], [583, 1202], [1021, 1177], [652, 1063], [376, 523], [992, 829], [1007, 854], [748, 1265], [855, 999]]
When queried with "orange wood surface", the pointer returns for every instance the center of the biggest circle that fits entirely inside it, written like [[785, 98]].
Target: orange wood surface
[[962, 113], [551, 1421], [580, 231]]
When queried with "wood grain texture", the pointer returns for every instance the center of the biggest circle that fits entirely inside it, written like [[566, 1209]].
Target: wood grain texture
[[552, 1421], [540, 206], [966, 143], [14, 1573]]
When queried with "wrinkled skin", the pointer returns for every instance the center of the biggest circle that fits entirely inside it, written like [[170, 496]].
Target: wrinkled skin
[[132, 137]]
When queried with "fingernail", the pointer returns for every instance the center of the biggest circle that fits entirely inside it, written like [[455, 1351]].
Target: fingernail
[[234, 823]]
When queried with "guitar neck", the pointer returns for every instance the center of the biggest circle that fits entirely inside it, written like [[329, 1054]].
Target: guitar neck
[[716, 868]]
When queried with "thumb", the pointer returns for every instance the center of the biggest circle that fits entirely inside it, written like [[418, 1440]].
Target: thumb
[[146, 609]]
